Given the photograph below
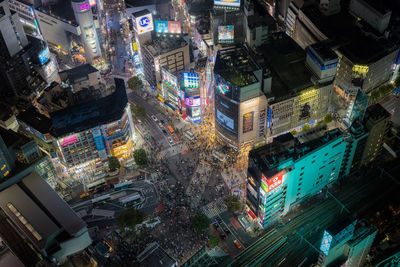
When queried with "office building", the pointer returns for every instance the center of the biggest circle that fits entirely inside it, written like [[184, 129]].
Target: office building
[[289, 170], [377, 121], [239, 102], [360, 66], [227, 26], [35, 222], [87, 133], [171, 54], [347, 242], [301, 84], [373, 12], [191, 99], [84, 76]]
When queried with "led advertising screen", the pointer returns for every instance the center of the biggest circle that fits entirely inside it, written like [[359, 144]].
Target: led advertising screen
[[92, 2], [326, 243], [161, 26], [221, 87], [72, 139], [174, 27], [84, 7], [169, 79], [193, 102], [225, 121], [272, 183], [89, 33], [190, 80], [144, 23], [50, 68], [233, 3], [225, 33], [196, 112], [44, 56], [248, 119]]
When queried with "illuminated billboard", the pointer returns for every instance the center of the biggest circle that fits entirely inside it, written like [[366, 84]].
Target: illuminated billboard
[[221, 87], [248, 119], [271, 183], [44, 56], [144, 23], [92, 2], [72, 139], [174, 27], [232, 3], [50, 68], [225, 33], [225, 121], [161, 26], [326, 243], [169, 79], [84, 7], [192, 102], [190, 80]]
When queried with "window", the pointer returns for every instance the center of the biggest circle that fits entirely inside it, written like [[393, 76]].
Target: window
[[301, 174], [22, 219], [302, 168], [313, 161]]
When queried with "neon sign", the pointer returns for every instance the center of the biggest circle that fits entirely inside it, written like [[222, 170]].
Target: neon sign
[[84, 7], [144, 23], [69, 140], [222, 88], [271, 184]]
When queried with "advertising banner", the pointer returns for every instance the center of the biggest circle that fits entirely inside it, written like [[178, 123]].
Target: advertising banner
[[44, 56], [144, 23], [174, 27], [233, 3], [248, 119], [161, 26], [273, 182], [169, 79], [225, 33], [225, 121], [190, 80], [72, 139], [193, 101]]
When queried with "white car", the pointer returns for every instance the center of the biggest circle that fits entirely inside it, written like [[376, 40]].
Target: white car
[[154, 118]]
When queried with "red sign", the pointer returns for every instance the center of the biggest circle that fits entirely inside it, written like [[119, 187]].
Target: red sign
[[72, 139], [273, 182], [174, 27]]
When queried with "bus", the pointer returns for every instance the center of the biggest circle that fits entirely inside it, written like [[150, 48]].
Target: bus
[[122, 186], [188, 135], [131, 200], [170, 129], [219, 156], [97, 186]]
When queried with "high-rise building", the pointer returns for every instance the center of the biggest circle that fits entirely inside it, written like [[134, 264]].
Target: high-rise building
[[377, 121], [239, 102], [35, 222]]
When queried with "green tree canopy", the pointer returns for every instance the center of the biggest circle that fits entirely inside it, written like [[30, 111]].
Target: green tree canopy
[[305, 128], [113, 163], [293, 132], [201, 222], [131, 217], [375, 95], [138, 112], [135, 83], [213, 241], [328, 118], [233, 203], [140, 157]]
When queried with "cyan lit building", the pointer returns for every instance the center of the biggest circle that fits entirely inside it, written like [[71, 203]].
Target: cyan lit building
[[289, 170]]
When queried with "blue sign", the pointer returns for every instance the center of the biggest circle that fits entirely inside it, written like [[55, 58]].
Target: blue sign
[[44, 56], [161, 26], [326, 243], [98, 140], [235, 3], [143, 22]]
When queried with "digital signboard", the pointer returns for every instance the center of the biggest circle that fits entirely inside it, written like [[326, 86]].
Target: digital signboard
[[232, 3], [144, 23], [174, 27], [84, 7], [271, 183], [225, 33], [161, 26], [224, 120], [221, 87], [72, 139], [169, 79], [44, 56], [248, 119], [190, 80], [326, 243], [193, 102], [92, 2]]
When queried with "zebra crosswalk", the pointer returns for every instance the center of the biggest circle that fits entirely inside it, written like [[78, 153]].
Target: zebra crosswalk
[[213, 209]]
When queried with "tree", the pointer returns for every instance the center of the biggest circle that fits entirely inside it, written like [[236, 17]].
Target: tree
[[135, 83], [293, 132], [375, 95], [140, 157], [201, 222], [397, 81], [305, 128], [131, 217], [213, 241], [113, 163], [328, 118], [111, 88], [233, 203], [139, 112]]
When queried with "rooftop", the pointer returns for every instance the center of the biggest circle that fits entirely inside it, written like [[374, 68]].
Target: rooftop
[[154, 255], [162, 45], [345, 32], [76, 74], [35, 119], [236, 65], [61, 10], [324, 51], [13, 139], [376, 113], [379, 6], [268, 156], [91, 113], [285, 59]]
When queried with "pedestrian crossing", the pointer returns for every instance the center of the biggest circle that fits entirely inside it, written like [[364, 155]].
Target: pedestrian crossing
[[213, 209]]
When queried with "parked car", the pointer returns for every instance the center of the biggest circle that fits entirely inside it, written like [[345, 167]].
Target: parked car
[[237, 244], [170, 140], [154, 118]]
